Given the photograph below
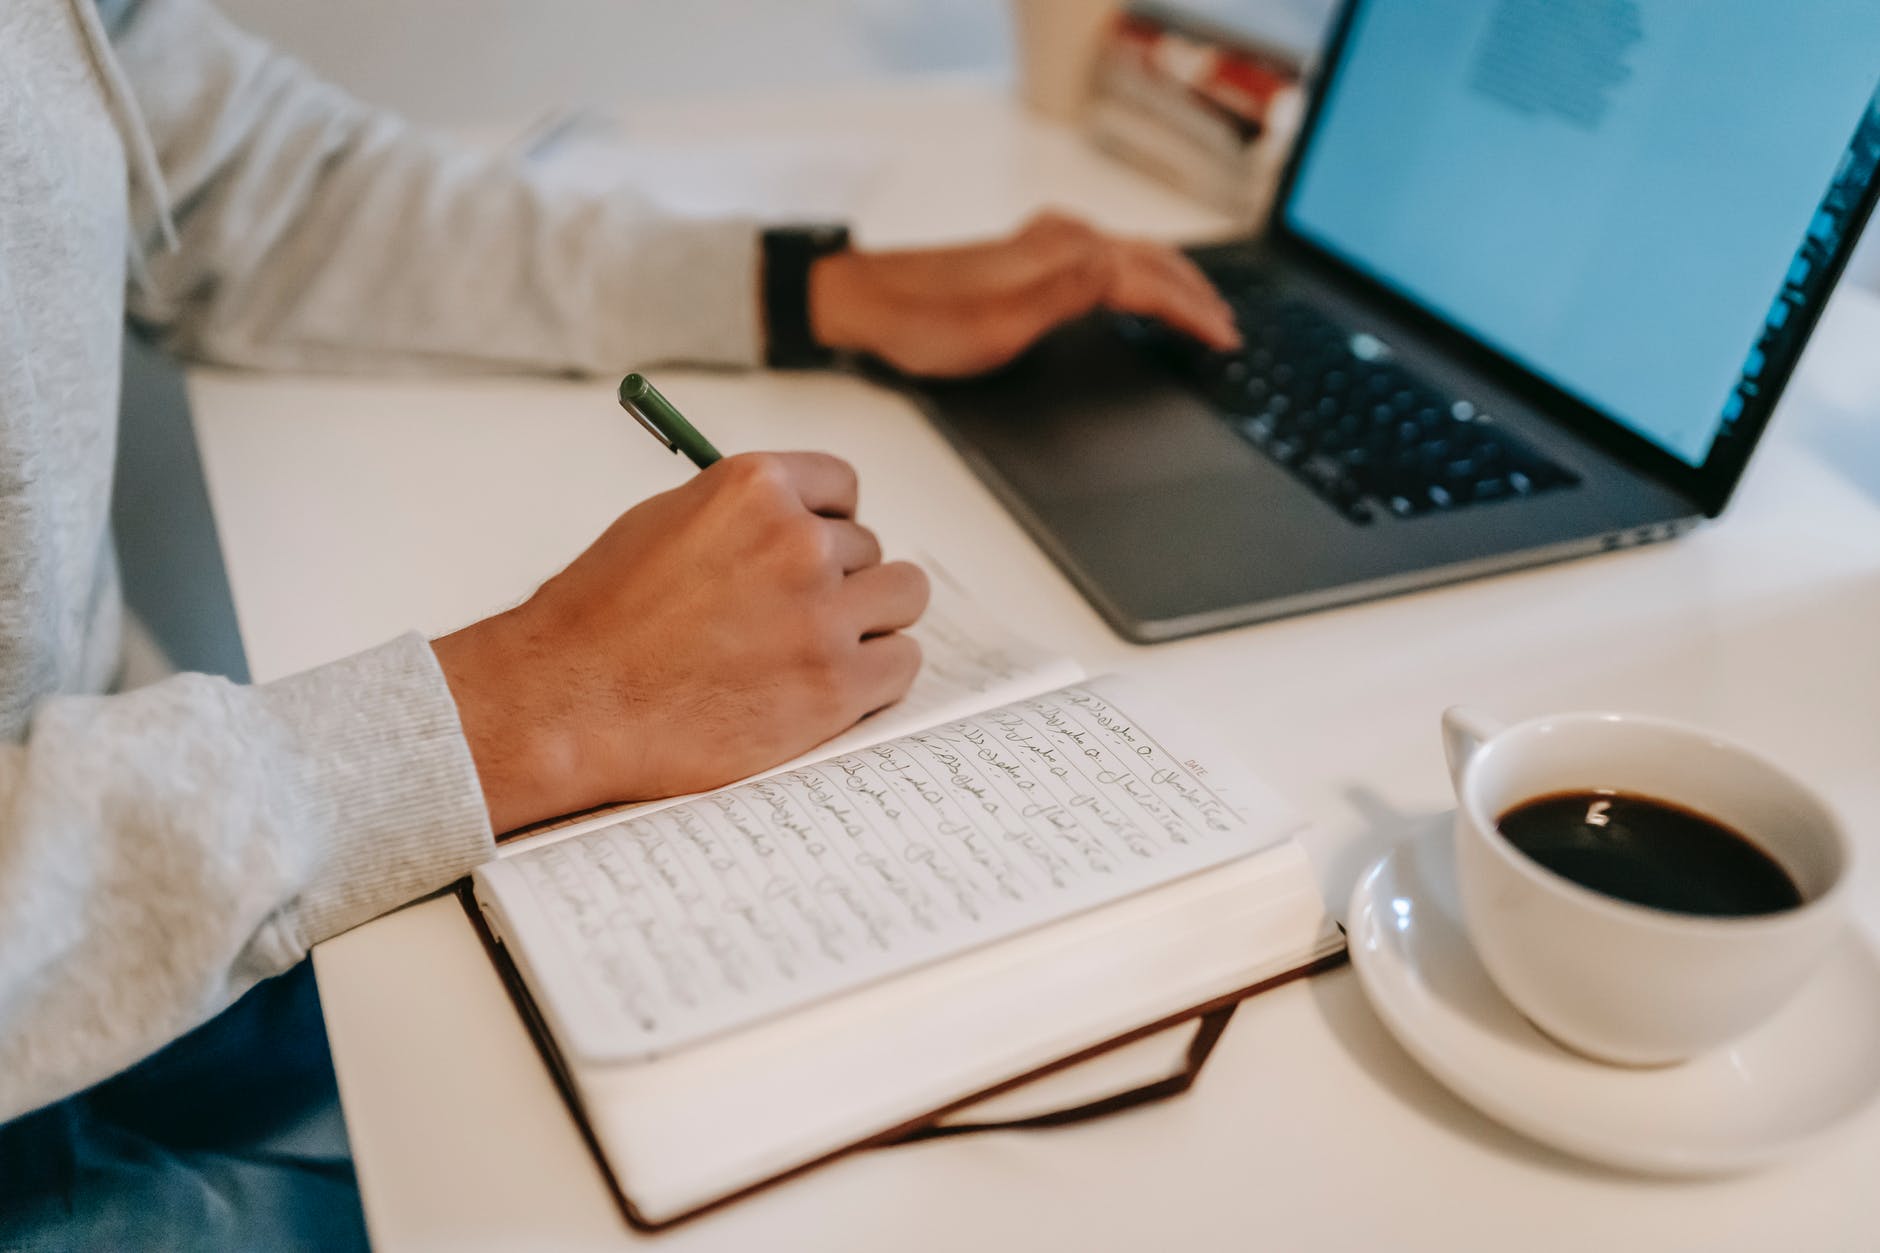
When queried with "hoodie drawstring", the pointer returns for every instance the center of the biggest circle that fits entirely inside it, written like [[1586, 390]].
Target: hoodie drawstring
[[146, 173]]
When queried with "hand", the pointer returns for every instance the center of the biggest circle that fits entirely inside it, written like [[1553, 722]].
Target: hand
[[711, 632], [955, 311]]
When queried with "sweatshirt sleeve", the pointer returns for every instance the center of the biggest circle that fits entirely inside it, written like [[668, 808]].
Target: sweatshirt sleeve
[[318, 233], [166, 848]]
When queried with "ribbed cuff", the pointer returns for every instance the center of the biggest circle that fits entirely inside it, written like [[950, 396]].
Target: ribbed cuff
[[686, 291], [384, 766]]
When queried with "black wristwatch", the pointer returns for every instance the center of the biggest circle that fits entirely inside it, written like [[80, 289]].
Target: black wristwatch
[[789, 251]]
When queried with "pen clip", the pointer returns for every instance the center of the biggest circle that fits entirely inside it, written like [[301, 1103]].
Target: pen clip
[[651, 426]]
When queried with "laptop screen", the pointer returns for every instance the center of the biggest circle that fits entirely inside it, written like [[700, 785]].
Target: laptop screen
[[1624, 196]]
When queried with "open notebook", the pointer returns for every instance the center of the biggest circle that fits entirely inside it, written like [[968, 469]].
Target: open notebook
[[734, 986], [969, 664]]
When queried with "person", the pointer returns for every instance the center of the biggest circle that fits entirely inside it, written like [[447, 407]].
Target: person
[[170, 851]]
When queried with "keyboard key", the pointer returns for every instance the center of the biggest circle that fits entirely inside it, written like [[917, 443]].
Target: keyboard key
[[1344, 416], [1323, 470]]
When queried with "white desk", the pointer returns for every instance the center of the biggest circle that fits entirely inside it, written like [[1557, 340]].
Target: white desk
[[353, 509]]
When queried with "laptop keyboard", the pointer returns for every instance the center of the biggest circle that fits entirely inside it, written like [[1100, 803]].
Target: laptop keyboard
[[1331, 406]]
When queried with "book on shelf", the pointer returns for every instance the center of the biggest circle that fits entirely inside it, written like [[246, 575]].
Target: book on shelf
[[1017, 890], [1207, 109]]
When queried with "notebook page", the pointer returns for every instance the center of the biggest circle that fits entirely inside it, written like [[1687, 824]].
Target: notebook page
[[749, 1105], [969, 662], [678, 925]]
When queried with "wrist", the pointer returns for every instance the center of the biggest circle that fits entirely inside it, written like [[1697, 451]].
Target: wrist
[[838, 299], [524, 761]]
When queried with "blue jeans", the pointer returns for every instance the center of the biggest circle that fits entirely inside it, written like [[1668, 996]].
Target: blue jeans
[[229, 1138]]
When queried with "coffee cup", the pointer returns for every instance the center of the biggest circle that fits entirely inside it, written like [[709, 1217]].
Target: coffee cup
[[1607, 975]]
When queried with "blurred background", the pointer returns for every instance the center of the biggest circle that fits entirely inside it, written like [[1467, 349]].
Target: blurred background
[[481, 62], [487, 64], [477, 62]]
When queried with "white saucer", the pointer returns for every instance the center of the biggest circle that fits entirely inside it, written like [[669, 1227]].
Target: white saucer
[[1812, 1066]]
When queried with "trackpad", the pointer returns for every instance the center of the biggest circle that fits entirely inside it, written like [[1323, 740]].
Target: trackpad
[[1085, 415]]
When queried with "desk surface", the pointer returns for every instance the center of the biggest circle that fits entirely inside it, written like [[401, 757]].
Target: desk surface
[[353, 509]]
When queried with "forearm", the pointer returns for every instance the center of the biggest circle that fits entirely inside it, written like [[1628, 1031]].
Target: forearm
[[163, 850], [318, 233]]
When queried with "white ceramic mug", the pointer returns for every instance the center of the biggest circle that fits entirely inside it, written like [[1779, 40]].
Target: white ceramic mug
[[1614, 980]]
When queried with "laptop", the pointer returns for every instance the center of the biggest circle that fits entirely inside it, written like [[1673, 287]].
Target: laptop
[[1530, 289]]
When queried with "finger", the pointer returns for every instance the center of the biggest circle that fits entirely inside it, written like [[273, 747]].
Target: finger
[[1180, 272], [885, 668], [1134, 276], [1146, 286], [885, 597], [826, 485], [853, 545], [1183, 270]]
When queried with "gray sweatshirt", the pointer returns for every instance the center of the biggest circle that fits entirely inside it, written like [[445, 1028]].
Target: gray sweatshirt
[[163, 849]]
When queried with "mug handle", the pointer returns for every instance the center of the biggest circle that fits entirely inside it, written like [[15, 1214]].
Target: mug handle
[[1465, 730]]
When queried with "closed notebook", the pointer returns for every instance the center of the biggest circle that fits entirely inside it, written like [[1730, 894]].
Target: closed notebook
[[739, 985]]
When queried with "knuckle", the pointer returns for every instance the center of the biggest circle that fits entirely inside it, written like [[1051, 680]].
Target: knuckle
[[1053, 222], [800, 546], [900, 666], [823, 659], [1042, 222], [756, 474]]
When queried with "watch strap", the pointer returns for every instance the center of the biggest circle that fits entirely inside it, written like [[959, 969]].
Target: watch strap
[[788, 253]]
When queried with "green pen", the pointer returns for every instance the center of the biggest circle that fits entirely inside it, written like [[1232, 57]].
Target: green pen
[[640, 398]]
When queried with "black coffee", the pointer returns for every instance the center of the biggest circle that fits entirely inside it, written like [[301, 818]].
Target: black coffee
[[1650, 852]]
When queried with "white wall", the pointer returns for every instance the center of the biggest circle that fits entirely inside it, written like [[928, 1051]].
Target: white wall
[[507, 62], [474, 62]]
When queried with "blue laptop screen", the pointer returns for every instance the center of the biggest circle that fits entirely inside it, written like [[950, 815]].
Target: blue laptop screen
[[1614, 193]]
